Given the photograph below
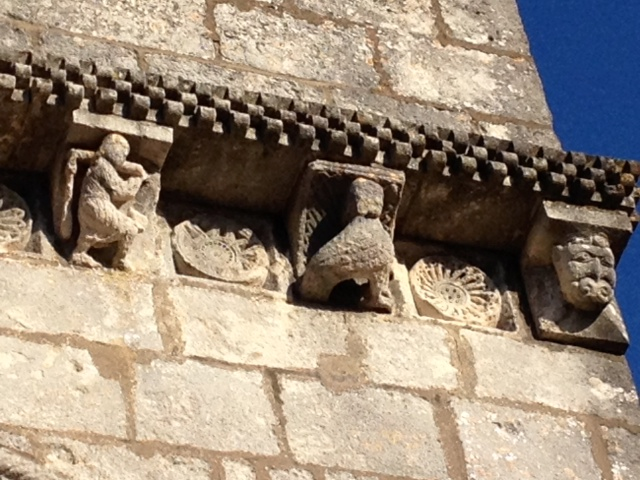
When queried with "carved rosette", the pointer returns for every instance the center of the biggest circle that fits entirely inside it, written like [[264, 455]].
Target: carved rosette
[[15, 221], [220, 248], [446, 287]]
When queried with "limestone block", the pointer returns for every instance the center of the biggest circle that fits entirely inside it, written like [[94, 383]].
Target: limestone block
[[545, 137], [206, 407], [79, 461], [494, 23], [568, 379], [237, 470], [371, 430], [178, 27], [624, 452], [408, 354], [295, 47], [256, 330], [104, 308], [501, 442], [293, 474], [412, 15], [58, 388], [462, 78], [337, 475]]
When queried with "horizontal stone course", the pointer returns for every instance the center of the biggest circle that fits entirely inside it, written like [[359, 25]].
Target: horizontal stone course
[[569, 379], [460, 78], [286, 45], [256, 330], [369, 430], [206, 407], [103, 307], [624, 453], [166, 25], [506, 443], [59, 388]]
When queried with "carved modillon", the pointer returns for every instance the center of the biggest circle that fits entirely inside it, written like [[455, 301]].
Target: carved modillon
[[15, 221], [220, 248], [585, 266], [105, 195], [449, 288], [341, 230], [568, 266]]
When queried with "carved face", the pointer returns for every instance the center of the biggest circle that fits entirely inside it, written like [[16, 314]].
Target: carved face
[[115, 148], [585, 269]]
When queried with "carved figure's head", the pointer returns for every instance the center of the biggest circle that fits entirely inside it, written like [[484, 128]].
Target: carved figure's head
[[585, 269], [115, 149], [365, 199]]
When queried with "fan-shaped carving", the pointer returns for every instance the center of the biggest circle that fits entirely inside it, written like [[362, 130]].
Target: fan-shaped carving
[[220, 248], [446, 287], [15, 221]]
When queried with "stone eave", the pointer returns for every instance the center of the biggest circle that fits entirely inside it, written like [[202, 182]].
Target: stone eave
[[247, 150]]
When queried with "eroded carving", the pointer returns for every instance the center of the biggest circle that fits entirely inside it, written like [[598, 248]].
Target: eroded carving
[[107, 210], [341, 229], [447, 287], [585, 266], [220, 248], [15, 221]]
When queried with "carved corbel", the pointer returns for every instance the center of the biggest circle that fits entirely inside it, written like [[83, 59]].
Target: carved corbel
[[568, 265], [105, 188], [341, 231]]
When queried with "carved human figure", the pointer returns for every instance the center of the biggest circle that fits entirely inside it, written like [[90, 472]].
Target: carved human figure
[[106, 211], [362, 251], [585, 266]]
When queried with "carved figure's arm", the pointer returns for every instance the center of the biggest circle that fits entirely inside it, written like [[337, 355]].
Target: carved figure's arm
[[119, 189], [76, 156], [132, 169]]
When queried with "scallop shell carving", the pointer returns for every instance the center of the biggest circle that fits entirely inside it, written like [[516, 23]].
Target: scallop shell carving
[[15, 221], [220, 248], [446, 287]]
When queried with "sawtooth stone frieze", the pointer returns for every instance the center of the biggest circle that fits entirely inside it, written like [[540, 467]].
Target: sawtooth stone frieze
[[343, 182], [449, 288], [15, 221]]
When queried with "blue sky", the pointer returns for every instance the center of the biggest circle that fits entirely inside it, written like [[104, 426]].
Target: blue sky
[[588, 55]]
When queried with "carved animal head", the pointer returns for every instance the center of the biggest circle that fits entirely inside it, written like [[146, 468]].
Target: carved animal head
[[115, 149], [585, 269], [365, 199]]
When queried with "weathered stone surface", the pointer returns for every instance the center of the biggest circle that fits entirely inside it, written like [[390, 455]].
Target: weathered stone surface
[[99, 307], [505, 443], [624, 453], [256, 330], [237, 470], [178, 27], [13, 40], [449, 288], [215, 75], [333, 475], [412, 15], [462, 78], [568, 379], [371, 430], [206, 407], [545, 137], [80, 461], [289, 46], [409, 111], [73, 48], [60, 388], [293, 474], [494, 23], [409, 354]]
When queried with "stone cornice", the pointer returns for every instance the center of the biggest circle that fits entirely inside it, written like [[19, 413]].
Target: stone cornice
[[273, 138]]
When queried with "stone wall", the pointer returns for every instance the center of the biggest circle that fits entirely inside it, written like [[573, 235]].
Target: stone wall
[[107, 375], [158, 374], [445, 62]]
